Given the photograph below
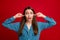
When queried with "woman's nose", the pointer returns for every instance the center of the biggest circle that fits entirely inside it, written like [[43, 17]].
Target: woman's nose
[[29, 14]]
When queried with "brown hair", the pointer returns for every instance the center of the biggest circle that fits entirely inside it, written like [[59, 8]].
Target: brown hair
[[34, 23]]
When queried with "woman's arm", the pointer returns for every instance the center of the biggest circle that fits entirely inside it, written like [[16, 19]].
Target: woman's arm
[[50, 21], [13, 26]]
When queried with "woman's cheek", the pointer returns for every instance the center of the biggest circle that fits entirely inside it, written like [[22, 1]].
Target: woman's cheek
[[31, 16], [26, 16]]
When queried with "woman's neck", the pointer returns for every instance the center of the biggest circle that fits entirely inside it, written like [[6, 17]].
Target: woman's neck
[[29, 22]]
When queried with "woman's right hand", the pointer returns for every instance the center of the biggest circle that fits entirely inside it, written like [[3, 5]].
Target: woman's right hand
[[18, 15]]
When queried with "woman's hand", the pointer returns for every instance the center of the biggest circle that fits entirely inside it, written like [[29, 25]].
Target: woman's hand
[[18, 15], [39, 14]]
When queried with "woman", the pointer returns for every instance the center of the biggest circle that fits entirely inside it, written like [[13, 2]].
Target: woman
[[28, 28]]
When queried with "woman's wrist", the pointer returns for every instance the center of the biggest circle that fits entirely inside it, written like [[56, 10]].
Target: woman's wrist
[[14, 17], [43, 16]]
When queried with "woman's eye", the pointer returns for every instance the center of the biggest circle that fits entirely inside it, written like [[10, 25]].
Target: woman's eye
[[26, 13], [31, 13]]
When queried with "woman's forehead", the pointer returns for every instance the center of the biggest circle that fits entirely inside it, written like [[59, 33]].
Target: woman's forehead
[[28, 10]]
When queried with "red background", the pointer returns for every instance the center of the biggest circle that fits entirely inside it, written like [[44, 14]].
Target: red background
[[8, 8]]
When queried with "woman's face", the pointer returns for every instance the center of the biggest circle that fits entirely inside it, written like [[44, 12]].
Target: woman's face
[[29, 15]]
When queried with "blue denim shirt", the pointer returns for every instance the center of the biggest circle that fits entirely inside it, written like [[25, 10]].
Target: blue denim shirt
[[28, 34]]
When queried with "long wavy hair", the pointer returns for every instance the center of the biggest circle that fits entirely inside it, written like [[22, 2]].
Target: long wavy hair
[[34, 23]]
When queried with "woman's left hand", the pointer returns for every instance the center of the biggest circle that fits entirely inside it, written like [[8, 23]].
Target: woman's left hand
[[39, 14]]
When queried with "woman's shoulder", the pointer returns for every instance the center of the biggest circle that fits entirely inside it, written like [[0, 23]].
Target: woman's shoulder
[[40, 22]]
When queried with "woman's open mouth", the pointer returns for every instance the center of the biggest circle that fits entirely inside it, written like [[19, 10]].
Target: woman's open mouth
[[29, 18]]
